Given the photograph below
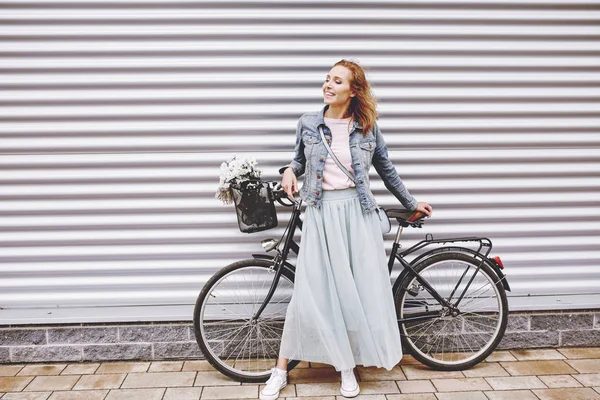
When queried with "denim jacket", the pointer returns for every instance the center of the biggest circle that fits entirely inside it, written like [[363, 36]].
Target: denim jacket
[[310, 155]]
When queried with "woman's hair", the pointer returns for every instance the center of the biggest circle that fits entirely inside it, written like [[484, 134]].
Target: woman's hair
[[363, 106]]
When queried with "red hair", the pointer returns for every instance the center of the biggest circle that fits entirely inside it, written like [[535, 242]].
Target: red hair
[[363, 106]]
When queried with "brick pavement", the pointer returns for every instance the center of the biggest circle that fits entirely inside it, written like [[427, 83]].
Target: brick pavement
[[546, 374]]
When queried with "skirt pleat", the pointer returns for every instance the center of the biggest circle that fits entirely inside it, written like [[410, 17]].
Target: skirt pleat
[[342, 310]]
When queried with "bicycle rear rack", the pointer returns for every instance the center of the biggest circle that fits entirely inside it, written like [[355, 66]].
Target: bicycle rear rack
[[484, 243]]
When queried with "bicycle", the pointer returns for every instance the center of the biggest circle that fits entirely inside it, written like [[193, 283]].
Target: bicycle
[[450, 301]]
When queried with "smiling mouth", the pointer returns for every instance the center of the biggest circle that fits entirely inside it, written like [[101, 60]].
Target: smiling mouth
[[329, 94]]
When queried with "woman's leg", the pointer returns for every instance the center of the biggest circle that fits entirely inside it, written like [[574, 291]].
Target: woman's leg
[[282, 363]]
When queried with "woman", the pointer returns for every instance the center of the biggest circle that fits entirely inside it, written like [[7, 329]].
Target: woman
[[342, 311]]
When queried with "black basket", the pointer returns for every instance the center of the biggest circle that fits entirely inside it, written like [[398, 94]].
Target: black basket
[[254, 206]]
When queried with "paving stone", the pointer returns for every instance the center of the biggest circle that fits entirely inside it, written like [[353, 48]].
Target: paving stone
[[515, 382], [81, 395], [159, 379], [22, 337], [303, 364], [361, 396], [570, 394], [423, 372], [10, 370], [166, 366], [46, 353], [314, 375], [154, 333], [548, 367], [317, 389], [45, 369], [105, 352], [415, 396], [588, 379], [14, 384], [288, 391], [500, 356], [187, 393], [559, 381], [408, 360], [511, 395], [82, 335], [462, 396], [416, 386], [460, 385], [376, 387], [585, 366], [26, 396], [100, 381], [214, 378], [135, 394], [312, 398], [198, 365], [553, 322], [229, 392], [319, 365], [380, 374], [537, 354], [485, 369], [123, 367], [44, 383], [80, 369], [581, 352]]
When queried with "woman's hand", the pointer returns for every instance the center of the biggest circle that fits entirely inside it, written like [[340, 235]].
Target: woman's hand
[[424, 208], [289, 182]]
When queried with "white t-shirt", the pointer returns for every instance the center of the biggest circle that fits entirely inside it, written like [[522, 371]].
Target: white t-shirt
[[333, 177]]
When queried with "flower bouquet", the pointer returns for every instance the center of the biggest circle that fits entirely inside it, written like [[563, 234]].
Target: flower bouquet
[[240, 183], [234, 171]]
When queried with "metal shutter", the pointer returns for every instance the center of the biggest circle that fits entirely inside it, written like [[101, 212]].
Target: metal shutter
[[115, 117]]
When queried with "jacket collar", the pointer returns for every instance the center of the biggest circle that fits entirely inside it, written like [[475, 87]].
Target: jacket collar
[[321, 118]]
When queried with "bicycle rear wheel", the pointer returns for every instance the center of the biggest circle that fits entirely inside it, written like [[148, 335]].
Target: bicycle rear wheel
[[236, 345], [459, 340]]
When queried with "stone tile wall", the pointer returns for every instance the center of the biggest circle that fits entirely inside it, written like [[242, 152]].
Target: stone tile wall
[[162, 341]]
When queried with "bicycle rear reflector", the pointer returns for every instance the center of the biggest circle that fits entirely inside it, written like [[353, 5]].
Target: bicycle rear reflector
[[498, 261]]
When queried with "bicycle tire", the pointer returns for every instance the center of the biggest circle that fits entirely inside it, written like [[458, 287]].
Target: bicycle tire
[[210, 348], [412, 333]]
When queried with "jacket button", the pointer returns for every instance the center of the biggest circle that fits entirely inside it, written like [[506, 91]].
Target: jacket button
[[317, 192], [318, 176], [320, 158]]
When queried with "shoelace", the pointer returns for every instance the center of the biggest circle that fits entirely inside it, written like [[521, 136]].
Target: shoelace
[[274, 375]]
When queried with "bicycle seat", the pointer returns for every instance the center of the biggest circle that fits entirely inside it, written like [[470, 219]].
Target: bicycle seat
[[406, 217]]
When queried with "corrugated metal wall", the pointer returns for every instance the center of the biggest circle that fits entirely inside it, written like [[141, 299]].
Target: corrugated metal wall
[[115, 116]]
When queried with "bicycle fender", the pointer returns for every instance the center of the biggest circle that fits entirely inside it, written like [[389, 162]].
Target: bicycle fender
[[286, 264], [491, 262]]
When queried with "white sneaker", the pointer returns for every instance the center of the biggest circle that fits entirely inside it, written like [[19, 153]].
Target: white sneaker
[[349, 386], [276, 382]]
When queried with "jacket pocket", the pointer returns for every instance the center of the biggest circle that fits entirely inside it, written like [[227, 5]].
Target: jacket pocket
[[367, 149]]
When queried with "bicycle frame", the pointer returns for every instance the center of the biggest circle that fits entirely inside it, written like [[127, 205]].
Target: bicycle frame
[[280, 262]]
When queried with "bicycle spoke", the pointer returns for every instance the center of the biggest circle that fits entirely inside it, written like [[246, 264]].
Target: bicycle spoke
[[245, 346], [458, 336]]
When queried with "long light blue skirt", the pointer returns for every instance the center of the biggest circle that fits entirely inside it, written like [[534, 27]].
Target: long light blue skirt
[[342, 310]]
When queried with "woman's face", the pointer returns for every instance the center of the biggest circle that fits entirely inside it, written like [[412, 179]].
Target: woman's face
[[336, 88]]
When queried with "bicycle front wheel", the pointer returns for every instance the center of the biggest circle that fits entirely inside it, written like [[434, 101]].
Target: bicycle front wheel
[[235, 343], [453, 339]]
